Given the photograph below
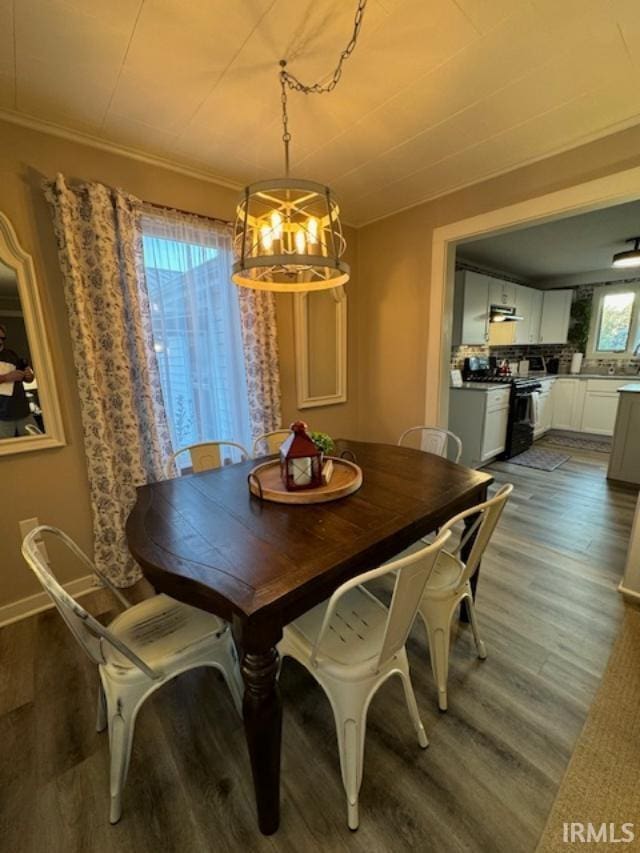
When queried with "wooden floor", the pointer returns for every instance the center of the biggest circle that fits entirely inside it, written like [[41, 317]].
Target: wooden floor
[[548, 612]]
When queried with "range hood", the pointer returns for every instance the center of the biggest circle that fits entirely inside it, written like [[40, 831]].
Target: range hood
[[503, 314]]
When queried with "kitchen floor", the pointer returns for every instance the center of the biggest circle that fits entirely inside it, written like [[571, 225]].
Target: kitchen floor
[[548, 611]]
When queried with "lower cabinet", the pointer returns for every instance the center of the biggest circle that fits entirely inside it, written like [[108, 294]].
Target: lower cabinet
[[586, 405], [545, 408], [479, 419], [567, 399], [495, 431]]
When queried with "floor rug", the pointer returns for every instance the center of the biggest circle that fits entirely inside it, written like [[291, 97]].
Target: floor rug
[[602, 781], [544, 460], [601, 444]]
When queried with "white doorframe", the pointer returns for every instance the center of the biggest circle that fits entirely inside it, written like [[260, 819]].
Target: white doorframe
[[604, 192]]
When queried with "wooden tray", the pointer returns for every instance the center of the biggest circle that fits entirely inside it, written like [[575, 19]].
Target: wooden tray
[[265, 482]]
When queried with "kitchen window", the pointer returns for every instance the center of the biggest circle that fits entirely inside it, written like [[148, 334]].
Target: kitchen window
[[197, 334], [615, 331]]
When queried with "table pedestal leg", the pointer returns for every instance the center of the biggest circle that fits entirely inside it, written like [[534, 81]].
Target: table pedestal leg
[[262, 710]]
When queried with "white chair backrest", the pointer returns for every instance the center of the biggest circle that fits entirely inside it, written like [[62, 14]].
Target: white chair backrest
[[412, 574], [269, 442], [206, 455], [434, 440], [32, 429], [488, 514], [85, 628]]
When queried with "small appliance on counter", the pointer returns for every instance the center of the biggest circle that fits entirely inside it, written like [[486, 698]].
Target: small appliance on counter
[[537, 365], [479, 368], [553, 365]]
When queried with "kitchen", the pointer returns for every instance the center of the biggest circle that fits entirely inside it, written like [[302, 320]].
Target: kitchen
[[545, 334]]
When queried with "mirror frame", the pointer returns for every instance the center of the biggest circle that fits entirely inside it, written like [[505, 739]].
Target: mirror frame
[[15, 257], [301, 327]]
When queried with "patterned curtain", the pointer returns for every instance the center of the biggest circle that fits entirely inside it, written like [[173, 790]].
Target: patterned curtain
[[260, 337], [125, 429]]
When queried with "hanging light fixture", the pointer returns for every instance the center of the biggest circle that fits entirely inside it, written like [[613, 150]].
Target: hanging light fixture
[[287, 234], [630, 258]]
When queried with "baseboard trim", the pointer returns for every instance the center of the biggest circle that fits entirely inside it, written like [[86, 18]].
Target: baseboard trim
[[25, 607], [629, 594]]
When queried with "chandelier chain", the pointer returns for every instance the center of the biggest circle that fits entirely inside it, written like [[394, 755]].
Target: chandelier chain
[[288, 80]]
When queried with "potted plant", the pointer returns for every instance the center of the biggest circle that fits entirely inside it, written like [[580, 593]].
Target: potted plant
[[579, 324], [323, 442]]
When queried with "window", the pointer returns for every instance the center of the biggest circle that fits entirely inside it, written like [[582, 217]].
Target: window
[[196, 328], [614, 328]]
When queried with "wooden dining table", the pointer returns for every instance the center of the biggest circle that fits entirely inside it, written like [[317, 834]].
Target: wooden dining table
[[205, 540]]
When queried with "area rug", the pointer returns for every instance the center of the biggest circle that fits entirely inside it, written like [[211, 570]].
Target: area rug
[[535, 457], [600, 444], [602, 782]]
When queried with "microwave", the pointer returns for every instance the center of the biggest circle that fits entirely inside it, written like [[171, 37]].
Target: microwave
[[537, 364]]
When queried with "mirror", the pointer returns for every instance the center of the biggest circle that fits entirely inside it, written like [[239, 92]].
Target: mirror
[[29, 410], [321, 347]]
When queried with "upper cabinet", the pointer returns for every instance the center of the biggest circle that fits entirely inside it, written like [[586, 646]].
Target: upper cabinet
[[545, 313], [556, 312], [523, 302], [502, 292], [471, 312]]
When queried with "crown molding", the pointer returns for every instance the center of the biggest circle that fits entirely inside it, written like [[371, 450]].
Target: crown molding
[[79, 136]]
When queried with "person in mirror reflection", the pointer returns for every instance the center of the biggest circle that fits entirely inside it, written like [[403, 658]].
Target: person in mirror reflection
[[15, 414]]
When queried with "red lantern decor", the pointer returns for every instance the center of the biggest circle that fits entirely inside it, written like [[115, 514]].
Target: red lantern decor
[[300, 460]]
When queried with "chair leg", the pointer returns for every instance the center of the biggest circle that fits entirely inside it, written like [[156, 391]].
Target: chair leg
[[480, 647], [412, 705], [350, 714], [121, 727], [438, 626], [101, 714]]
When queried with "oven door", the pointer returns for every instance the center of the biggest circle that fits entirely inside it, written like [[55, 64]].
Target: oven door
[[520, 425]]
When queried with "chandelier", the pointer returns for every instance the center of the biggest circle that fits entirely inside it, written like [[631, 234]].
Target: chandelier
[[287, 233]]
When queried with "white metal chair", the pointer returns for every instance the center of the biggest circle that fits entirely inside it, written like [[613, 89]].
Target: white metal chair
[[206, 455], [270, 442], [352, 643], [140, 650], [434, 440], [449, 585]]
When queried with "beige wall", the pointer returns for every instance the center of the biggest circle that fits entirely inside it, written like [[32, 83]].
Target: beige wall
[[52, 484], [394, 260], [340, 421]]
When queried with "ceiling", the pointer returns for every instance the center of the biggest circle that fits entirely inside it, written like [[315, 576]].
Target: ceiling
[[437, 95], [575, 250]]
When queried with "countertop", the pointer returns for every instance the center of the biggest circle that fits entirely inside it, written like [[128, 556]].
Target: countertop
[[492, 386], [631, 388]]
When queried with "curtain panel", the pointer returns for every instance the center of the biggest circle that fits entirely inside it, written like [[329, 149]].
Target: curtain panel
[[260, 336], [126, 433]]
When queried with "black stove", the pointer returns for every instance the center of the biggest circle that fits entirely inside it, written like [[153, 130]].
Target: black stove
[[520, 423]]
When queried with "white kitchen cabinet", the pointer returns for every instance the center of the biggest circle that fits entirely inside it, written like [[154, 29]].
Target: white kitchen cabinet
[[600, 406], [502, 292], [479, 418], [535, 318], [556, 311], [495, 432], [522, 331], [545, 408], [568, 402], [471, 309]]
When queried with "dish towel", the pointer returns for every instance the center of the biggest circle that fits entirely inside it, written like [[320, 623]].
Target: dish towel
[[534, 409]]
